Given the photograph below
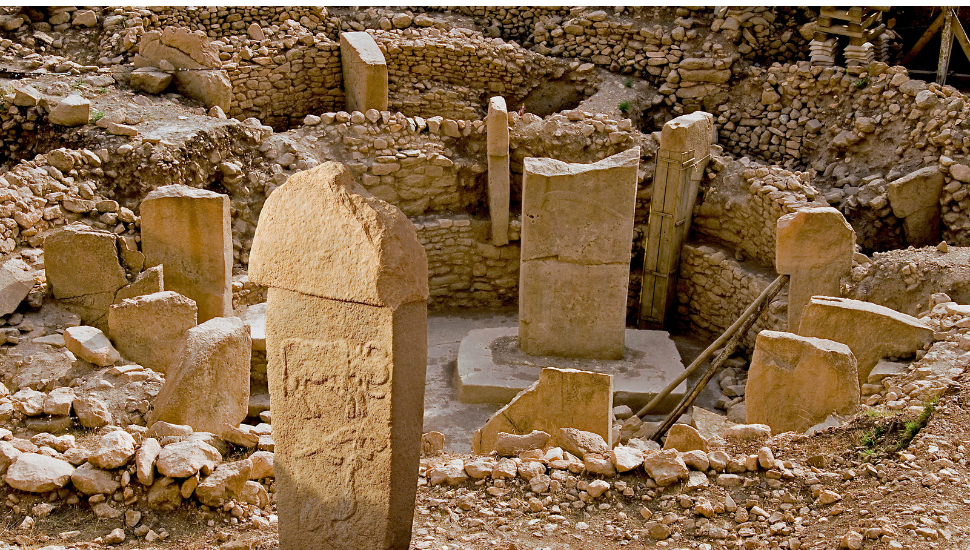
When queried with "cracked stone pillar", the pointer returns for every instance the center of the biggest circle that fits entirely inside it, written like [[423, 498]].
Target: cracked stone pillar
[[346, 341], [365, 72], [814, 246], [577, 232], [497, 126], [187, 230]]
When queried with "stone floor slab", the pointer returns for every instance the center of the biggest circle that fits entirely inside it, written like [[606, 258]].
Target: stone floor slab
[[492, 369]]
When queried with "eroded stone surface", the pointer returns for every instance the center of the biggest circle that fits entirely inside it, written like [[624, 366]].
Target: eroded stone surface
[[795, 382]]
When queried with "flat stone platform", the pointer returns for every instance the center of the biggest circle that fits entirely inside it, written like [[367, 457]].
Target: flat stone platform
[[492, 368]]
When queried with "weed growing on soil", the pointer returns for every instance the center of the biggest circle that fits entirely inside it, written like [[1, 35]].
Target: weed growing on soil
[[861, 83], [913, 427], [624, 107], [98, 115], [628, 83]]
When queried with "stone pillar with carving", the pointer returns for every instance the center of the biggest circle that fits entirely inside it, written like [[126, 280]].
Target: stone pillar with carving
[[346, 340]]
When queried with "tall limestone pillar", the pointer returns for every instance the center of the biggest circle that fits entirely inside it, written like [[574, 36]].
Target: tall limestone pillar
[[685, 145], [577, 232], [814, 246], [187, 230], [497, 126], [365, 72], [346, 340]]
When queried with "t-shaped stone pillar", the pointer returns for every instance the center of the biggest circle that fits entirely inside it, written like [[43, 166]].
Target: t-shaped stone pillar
[[365, 72], [577, 231], [346, 342], [497, 126], [814, 246]]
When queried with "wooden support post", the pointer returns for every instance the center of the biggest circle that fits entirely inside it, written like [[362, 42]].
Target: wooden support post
[[925, 39], [946, 46]]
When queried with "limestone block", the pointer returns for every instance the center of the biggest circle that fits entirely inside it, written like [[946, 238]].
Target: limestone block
[[37, 473], [87, 291], [149, 329], [815, 246], [365, 72], [187, 231], [211, 86], [91, 345], [387, 264], [561, 398], [346, 341], [871, 331], [693, 132], [73, 110], [150, 281], [150, 81], [16, 282], [577, 226], [210, 386], [497, 136], [194, 44], [685, 438], [916, 198], [795, 382]]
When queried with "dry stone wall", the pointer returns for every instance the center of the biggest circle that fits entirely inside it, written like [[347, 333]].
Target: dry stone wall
[[714, 289], [744, 201], [453, 72], [219, 21]]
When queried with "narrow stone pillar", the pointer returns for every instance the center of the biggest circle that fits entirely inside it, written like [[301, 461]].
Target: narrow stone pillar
[[187, 230], [365, 72], [346, 341], [685, 144], [577, 232], [915, 197], [814, 246], [497, 126]]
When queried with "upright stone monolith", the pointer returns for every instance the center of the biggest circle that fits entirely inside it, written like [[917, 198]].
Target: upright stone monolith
[[577, 232], [187, 230], [814, 246], [497, 126], [365, 72], [346, 341]]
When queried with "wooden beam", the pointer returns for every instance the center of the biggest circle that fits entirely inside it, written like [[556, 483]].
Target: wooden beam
[[946, 46], [961, 35], [925, 39]]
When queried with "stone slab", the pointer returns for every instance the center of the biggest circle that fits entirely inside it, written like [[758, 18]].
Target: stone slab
[[497, 136], [187, 230], [491, 369], [561, 398]]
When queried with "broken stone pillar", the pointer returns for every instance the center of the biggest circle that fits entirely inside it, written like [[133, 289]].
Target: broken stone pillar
[[685, 144], [577, 231], [199, 75], [149, 329], [915, 197], [561, 398], [871, 331], [365, 72], [795, 382], [497, 134], [83, 270], [814, 246], [346, 341], [187, 230], [16, 282], [209, 388]]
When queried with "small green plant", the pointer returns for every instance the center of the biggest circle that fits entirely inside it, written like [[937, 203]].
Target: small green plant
[[103, 90], [98, 115], [628, 83], [624, 107], [871, 437], [861, 83], [911, 428], [76, 85]]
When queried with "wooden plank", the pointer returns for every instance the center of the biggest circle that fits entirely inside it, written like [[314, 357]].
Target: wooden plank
[[875, 16], [961, 35], [842, 15], [840, 30], [925, 39], [946, 45]]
